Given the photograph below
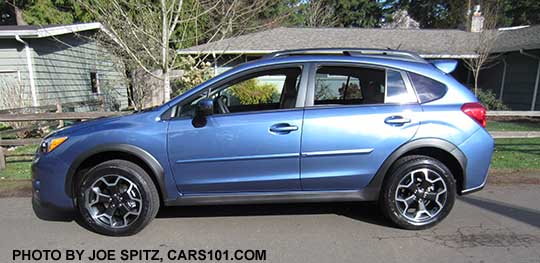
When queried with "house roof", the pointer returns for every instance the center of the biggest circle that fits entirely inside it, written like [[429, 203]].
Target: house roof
[[516, 39], [447, 43], [45, 31], [430, 43]]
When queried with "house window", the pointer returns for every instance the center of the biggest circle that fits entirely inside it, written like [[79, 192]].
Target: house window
[[94, 82]]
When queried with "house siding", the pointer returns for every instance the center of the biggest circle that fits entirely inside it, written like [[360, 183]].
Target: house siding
[[519, 83], [62, 67], [13, 64]]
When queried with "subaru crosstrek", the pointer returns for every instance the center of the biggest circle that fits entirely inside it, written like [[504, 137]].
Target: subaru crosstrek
[[312, 125]]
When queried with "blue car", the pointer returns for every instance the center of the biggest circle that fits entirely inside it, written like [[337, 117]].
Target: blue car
[[316, 125]]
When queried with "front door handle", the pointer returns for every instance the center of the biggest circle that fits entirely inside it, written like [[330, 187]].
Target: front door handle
[[397, 120], [283, 128]]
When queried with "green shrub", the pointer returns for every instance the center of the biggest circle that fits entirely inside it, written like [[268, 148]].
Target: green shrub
[[253, 92], [490, 101]]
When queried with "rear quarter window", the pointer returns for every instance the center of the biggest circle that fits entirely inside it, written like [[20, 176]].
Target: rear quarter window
[[427, 89]]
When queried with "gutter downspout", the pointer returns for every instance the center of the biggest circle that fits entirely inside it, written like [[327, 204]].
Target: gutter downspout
[[501, 92], [30, 67], [522, 52]]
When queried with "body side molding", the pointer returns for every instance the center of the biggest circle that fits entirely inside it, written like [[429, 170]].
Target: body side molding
[[239, 158], [337, 152]]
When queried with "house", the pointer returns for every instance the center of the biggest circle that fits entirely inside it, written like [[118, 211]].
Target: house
[[514, 78], [46, 65]]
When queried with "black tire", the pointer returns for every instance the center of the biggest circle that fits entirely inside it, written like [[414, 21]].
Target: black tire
[[147, 207], [403, 168]]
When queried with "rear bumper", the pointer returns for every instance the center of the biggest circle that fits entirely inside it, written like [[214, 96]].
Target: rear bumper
[[474, 189], [479, 149]]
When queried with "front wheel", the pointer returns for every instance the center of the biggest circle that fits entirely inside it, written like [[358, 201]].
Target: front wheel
[[117, 198], [419, 192]]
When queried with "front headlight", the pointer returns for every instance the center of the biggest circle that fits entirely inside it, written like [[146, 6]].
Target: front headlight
[[49, 144]]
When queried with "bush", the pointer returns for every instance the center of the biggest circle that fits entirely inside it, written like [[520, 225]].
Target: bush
[[194, 73], [253, 92], [4, 126], [490, 101]]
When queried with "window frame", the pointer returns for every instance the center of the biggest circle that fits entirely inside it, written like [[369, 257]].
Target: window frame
[[313, 67], [300, 98], [94, 75]]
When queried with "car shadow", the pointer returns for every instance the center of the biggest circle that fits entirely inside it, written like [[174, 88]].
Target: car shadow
[[518, 213], [361, 211]]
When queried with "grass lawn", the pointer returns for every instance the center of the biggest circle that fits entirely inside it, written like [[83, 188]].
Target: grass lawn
[[511, 154], [18, 167], [516, 154], [512, 126]]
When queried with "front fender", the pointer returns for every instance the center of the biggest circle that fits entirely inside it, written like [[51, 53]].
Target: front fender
[[156, 168]]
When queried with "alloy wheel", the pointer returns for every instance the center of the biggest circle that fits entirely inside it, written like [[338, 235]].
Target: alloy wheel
[[421, 195], [113, 201]]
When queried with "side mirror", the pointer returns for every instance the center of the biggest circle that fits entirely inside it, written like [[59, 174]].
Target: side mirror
[[205, 107]]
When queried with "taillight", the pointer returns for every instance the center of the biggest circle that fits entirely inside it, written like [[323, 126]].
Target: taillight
[[476, 111]]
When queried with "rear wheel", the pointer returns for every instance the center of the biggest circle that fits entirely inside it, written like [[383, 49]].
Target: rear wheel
[[418, 193], [117, 198]]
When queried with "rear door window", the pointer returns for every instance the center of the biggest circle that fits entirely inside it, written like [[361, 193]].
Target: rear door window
[[337, 85]]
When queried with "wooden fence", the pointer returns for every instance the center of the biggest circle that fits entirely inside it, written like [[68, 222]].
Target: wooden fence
[[47, 116], [53, 116], [62, 116]]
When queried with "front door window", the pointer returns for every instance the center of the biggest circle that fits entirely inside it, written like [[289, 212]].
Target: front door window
[[261, 91]]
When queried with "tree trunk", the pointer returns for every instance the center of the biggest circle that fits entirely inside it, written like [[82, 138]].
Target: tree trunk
[[165, 52], [17, 12], [166, 86], [476, 82]]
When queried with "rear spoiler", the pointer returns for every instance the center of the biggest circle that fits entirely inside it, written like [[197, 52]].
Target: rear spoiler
[[445, 65]]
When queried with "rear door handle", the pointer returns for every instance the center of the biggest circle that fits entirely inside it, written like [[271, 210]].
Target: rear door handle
[[283, 128], [397, 120]]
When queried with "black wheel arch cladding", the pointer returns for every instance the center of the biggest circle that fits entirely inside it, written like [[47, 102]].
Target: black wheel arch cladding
[[157, 171], [376, 183]]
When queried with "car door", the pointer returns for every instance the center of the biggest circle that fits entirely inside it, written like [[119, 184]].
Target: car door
[[252, 141], [355, 117]]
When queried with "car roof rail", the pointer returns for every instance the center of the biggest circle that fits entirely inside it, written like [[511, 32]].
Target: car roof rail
[[386, 53]]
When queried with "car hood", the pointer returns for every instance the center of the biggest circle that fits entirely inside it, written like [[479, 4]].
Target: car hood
[[88, 125]]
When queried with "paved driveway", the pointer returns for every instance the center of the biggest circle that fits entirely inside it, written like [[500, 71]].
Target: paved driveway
[[499, 224]]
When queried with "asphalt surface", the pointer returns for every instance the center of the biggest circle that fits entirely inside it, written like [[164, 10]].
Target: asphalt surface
[[499, 224]]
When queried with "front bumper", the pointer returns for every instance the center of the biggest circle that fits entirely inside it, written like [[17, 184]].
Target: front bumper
[[48, 187], [50, 212]]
